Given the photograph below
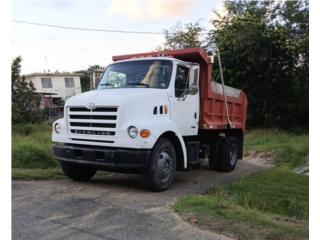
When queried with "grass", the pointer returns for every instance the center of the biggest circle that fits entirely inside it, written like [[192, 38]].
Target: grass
[[287, 148], [46, 174], [31, 147], [32, 158], [272, 204], [37, 174]]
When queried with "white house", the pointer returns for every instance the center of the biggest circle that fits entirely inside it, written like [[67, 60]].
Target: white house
[[57, 85]]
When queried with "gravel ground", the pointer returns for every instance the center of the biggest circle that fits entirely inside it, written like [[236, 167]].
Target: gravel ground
[[114, 207]]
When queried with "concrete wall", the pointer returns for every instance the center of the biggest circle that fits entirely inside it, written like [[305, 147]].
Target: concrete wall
[[58, 85]]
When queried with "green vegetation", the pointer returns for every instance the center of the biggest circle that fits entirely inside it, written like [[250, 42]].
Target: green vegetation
[[25, 102], [287, 148], [31, 153], [44, 174], [31, 146], [32, 157], [36, 174], [85, 77], [272, 204], [269, 205], [264, 47]]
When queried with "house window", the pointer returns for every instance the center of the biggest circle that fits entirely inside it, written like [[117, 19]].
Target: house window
[[46, 83], [69, 82]]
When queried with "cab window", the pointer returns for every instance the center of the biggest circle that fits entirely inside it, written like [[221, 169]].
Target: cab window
[[181, 81]]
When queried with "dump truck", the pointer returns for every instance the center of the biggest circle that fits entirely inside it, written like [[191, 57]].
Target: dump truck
[[153, 113]]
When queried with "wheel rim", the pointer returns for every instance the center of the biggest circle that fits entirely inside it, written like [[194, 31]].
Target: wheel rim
[[233, 155], [165, 166]]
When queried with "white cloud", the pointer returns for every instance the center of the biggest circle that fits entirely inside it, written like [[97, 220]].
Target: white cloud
[[149, 9], [62, 4], [217, 12]]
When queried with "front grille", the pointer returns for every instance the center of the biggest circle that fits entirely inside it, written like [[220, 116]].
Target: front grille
[[98, 109], [86, 124], [93, 124], [93, 117]]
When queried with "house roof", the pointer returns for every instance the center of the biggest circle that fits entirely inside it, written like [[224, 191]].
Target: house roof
[[52, 75], [45, 93]]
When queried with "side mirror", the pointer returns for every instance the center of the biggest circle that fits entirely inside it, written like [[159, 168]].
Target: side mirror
[[193, 90], [210, 53], [211, 59], [193, 80]]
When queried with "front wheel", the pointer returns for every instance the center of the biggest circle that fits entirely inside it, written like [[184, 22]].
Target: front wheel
[[78, 172], [162, 166]]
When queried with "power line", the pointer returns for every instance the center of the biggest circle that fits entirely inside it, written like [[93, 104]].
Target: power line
[[84, 29], [92, 29]]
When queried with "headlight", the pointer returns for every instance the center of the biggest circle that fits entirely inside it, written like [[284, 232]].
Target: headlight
[[57, 128], [133, 132]]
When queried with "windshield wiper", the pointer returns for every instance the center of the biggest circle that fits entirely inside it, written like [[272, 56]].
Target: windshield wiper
[[105, 84], [138, 84]]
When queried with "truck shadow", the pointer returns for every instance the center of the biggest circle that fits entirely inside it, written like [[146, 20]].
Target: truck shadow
[[191, 181], [120, 180]]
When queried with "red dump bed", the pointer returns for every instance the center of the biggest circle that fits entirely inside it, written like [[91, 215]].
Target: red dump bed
[[212, 106]]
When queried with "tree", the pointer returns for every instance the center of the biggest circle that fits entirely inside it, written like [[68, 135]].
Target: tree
[[264, 50], [85, 77], [183, 36], [84, 80], [24, 101]]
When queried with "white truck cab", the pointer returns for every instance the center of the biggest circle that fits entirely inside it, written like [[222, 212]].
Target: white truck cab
[[137, 120]]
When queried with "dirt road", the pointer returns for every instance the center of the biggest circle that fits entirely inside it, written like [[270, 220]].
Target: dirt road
[[115, 207]]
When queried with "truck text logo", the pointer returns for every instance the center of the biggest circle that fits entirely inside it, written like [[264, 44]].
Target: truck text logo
[[91, 132]]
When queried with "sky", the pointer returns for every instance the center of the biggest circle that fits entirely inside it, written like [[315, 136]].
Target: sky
[[44, 48]]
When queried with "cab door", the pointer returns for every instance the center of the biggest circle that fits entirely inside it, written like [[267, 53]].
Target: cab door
[[185, 99]]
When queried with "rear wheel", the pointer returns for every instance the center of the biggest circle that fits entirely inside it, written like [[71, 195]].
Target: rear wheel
[[162, 166], [78, 172], [224, 154], [214, 154], [228, 155]]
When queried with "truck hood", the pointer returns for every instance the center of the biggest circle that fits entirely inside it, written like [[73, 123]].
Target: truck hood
[[118, 97]]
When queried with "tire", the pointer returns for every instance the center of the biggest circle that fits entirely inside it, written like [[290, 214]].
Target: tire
[[214, 154], [78, 172], [228, 154], [160, 172], [202, 153]]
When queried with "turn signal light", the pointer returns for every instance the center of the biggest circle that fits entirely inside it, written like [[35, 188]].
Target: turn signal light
[[165, 109], [144, 133]]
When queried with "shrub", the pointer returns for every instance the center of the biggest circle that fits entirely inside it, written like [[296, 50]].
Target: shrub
[[31, 146], [23, 129], [30, 155]]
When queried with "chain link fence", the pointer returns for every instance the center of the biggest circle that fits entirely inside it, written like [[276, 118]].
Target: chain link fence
[[47, 115], [54, 113]]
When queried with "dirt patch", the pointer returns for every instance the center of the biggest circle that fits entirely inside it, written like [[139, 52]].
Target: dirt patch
[[259, 158]]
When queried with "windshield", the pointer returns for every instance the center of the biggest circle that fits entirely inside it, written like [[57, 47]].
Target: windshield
[[137, 74]]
